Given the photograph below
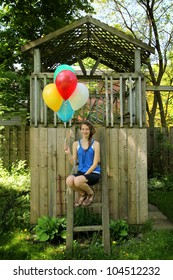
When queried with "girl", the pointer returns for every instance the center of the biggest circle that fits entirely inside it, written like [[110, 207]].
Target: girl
[[87, 152]]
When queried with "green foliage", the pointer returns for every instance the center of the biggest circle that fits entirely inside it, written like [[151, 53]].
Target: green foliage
[[14, 88], [22, 21], [164, 183], [50, 229], [17, 237], [15, 197], [25, 21], [119, 230], [155, 184]]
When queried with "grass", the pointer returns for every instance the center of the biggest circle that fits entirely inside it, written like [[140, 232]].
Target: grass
[[129, 242]]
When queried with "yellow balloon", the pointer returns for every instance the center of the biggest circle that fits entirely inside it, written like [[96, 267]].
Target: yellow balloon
[[52, 97]]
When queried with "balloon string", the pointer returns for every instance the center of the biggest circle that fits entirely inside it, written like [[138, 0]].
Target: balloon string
[[65, 125], [65, 138]]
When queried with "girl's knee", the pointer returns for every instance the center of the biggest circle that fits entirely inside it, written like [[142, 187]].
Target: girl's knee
[[70, 180], [78, 181]]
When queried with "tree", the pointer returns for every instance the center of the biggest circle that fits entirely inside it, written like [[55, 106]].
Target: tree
[[22, 21], [150, 21]]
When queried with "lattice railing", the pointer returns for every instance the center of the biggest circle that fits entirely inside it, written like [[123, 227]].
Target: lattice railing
[[116, 100]]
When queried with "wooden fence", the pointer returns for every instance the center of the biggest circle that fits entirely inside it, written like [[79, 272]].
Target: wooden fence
[[160, 150], [14, 145]]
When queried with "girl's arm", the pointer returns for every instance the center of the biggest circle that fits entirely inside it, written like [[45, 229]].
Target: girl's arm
[[72, 157], [96, 157]]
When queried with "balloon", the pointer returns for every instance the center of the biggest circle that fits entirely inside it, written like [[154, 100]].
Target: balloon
[[66, 82], [61, 68], [66, 112], [79, 97], [51, 97]]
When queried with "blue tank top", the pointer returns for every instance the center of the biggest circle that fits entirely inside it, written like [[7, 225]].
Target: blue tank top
[[86, 157]]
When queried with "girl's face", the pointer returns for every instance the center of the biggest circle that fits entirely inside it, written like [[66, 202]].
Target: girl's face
[[85, 130]]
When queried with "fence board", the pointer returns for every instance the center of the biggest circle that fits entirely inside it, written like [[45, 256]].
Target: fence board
[[123, 171], [132, 175], [52, 175], [35, 171], [43, 163], [113, 172], [159, 150], [165, 149], [14, 144], [6, 143], [142, 173], [171, 150], [63, 168]]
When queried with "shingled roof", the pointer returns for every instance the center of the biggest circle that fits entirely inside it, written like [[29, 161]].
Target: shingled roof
[[89, 37]]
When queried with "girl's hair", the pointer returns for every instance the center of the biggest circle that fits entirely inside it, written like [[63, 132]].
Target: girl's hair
[[92, 130]]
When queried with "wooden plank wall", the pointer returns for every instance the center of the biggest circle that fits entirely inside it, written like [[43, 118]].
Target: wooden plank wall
[[160, 150], [14, 144], [126, 169]]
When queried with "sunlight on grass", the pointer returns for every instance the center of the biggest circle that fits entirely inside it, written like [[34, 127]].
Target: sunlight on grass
[[128, 242]]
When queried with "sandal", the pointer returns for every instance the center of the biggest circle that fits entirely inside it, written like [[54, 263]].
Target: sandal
[[80, 200], [89, 199]]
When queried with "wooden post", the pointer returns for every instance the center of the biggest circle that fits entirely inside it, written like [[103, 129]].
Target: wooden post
[[121, 101], [111, 103], [37, 87], [137, 86], [107, 101], [105, 198], [70, 219], [37, 61]]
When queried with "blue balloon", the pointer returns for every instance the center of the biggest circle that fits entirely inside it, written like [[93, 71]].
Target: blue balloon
[[65, 112], [61, 68]]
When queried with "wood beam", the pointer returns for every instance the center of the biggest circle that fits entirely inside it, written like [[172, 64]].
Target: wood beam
[[159, 88], [82, 66], [95, 66]]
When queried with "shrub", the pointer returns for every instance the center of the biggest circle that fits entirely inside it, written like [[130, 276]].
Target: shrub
[[50, 229], [119, 230], [15, 197], [164, 183]]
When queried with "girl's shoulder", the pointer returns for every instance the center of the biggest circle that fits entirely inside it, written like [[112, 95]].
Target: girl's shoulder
[[75, 143], [96, 143]]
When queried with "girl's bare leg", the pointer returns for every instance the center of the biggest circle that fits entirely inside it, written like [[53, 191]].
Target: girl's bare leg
[[81, 183], [70, 182]]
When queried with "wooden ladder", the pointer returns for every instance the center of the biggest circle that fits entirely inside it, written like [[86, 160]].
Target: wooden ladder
[[104, 204]]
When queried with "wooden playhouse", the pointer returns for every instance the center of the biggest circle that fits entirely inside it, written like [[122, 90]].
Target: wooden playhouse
[[116, 106]]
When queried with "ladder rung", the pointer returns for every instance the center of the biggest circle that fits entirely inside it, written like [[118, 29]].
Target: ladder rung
[[94, 205], [88, 228]]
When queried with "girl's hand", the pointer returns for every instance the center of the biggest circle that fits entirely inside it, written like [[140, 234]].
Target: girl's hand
[[66, 149]]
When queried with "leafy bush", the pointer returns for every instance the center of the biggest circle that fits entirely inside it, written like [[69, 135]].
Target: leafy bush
[[119, 230], [50, 229], [161, 183], [155, 184], [15, 197]]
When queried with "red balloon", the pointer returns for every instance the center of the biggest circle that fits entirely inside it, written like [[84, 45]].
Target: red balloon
[[66, 82]]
